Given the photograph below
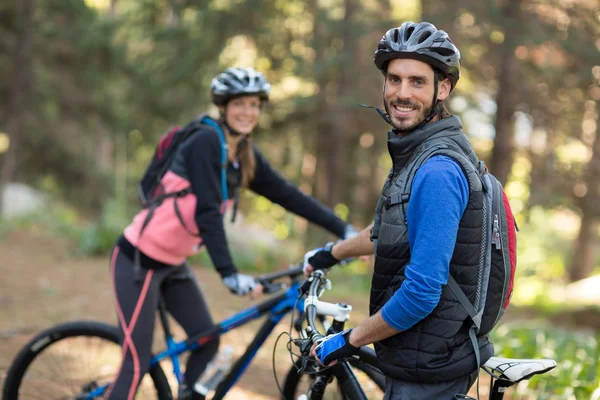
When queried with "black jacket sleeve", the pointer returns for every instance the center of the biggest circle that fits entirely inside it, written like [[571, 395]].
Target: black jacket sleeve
[[267, 182], [202, 160]]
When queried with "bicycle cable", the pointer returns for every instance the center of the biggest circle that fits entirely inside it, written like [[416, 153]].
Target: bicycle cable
[[289, 333], [273, 363], [291, 352]]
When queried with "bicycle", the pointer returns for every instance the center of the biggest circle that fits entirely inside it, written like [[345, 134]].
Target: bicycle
[[62, 349], [505, 371]]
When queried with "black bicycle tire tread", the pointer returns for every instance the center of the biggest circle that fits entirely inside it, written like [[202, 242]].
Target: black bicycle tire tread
[[27, 354]]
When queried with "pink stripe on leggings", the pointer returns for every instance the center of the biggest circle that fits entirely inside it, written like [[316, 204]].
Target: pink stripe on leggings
[[136, 313], [127, 330]]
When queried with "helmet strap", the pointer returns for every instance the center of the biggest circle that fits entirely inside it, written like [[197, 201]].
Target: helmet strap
[[243, 141], [383, 114], [232, 131]]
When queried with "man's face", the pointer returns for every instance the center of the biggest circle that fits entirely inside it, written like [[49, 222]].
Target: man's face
[[408, 92]]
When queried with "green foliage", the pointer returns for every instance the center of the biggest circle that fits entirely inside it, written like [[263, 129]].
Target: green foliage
[[99, 237], [352, 279], [577, 354], [56, 219], [253, 261]]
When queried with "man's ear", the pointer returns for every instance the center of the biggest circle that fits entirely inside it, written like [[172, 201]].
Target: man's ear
[[444, 88]]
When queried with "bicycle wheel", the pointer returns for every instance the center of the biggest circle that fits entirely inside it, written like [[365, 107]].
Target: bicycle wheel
[[370, 378], [70, 360]]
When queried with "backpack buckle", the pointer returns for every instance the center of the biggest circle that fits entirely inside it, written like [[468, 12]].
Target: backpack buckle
[[396, 199], [483, 169]]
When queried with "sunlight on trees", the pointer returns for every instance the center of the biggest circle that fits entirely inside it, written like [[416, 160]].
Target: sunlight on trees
[[4, 142], [99, 4], [240, 51], [408, 10]]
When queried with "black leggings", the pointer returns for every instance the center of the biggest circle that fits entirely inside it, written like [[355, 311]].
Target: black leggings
[[136, 304]]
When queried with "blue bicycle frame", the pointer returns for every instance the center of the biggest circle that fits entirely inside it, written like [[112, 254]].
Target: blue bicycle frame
[[275, 308]]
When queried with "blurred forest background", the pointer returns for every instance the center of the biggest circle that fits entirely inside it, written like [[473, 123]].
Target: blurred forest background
[[87, 88]]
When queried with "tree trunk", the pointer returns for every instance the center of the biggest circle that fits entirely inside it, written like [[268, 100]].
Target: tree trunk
[[342, 121], [19, 92], [584, 256], [506, 101], [113, 8], [322, 118], [586, 245]]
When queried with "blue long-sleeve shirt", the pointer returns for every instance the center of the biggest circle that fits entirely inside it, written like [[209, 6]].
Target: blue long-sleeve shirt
[[439, 197]]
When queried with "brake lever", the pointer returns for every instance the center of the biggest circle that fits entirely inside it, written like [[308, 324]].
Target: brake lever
[[303, 344]]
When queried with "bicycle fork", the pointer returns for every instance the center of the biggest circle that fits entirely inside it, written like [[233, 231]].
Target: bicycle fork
[[346, 380]]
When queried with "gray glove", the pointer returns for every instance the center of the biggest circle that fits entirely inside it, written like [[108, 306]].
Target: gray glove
[[240, 284]]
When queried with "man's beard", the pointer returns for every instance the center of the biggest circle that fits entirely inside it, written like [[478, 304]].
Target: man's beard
[[406, 126]]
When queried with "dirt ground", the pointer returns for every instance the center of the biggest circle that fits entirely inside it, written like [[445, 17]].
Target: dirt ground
[[42, 285]]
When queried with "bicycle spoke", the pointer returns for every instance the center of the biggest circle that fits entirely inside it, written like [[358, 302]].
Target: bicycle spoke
[[66, 367]]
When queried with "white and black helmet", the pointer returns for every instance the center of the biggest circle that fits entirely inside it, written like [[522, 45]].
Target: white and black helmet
[[423, 42], [235, 82]]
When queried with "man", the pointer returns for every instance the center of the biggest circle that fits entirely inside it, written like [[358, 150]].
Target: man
[[428, 225]]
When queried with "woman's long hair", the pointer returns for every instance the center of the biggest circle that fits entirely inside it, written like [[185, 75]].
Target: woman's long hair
[[245, 154]]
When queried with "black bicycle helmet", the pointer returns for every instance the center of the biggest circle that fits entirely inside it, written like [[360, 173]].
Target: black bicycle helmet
[[423, 42], [235, 82]]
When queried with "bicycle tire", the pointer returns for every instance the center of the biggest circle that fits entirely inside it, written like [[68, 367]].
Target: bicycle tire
[[77, 329], [292, 380]]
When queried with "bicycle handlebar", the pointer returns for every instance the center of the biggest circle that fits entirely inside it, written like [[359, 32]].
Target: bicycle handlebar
[[311, 307], [266, 280]]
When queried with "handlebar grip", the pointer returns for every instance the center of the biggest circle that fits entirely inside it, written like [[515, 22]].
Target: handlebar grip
[[292, 272], [269, 287]]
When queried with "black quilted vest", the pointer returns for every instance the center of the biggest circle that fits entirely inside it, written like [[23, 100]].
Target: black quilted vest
[[438, 348]]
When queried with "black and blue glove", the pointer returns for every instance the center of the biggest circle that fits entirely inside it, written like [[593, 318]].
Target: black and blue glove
[[320, 258], [334, 347]]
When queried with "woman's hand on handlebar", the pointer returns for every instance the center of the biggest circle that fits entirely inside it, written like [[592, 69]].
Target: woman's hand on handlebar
[[241, 285]]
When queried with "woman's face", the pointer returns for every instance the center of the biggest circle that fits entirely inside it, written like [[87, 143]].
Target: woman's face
[[242, 113]]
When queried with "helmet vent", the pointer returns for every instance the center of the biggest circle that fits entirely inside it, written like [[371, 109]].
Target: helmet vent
[[443, 51], [409, 32], [396, 34], [424, 36]]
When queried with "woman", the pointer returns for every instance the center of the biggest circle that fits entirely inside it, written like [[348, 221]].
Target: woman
[[153, 249]]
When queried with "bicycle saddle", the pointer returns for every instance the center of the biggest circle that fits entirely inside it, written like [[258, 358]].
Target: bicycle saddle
[[516, 370]]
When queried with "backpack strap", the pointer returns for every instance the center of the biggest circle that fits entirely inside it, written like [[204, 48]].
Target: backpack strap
[[211, 122], [137, 266], [464, 301], [376, 224]]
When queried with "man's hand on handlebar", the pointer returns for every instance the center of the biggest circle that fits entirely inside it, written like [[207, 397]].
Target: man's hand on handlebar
[[333, 347]]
